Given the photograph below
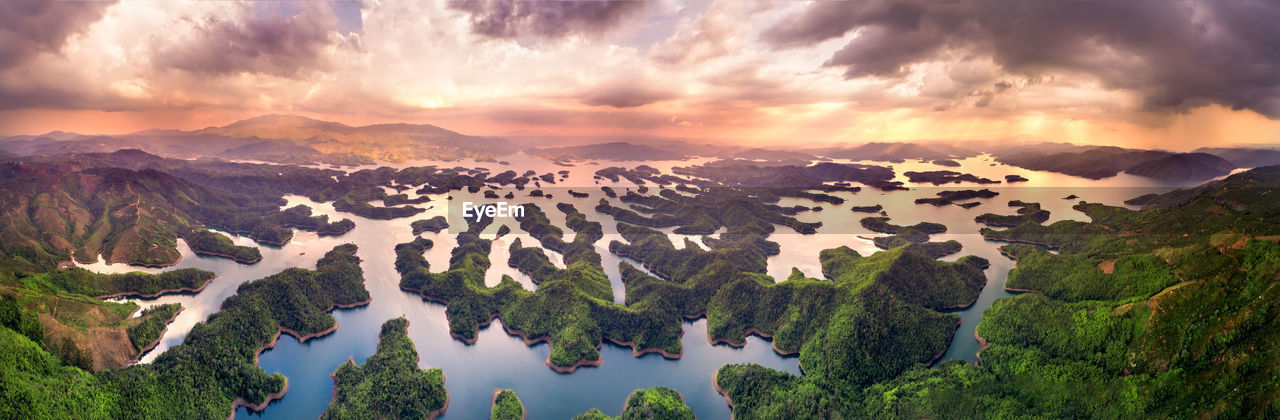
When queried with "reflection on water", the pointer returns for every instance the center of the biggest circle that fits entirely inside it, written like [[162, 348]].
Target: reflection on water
[[498, 360]]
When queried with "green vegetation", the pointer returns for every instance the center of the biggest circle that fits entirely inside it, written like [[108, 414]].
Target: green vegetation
[[1164, 313], [154, 320], [657, 403], [61, 211], [946, 177], [868, 209], [506, 406], [752, 174], [1027, 213], [389, 384], [204, 376], [735, 210], [51, 310], [207, 242], [877, 317], [902, 235], [80, 281], [351, 205], [951, 197], [13, 317], [572, 308], [434, 225]]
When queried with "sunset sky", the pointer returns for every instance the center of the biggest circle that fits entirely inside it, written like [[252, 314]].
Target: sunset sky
[[1166, 74]]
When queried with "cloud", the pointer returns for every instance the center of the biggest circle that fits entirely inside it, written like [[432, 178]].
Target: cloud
[[260, 42], [30, 27], [1174, 55], [626, 92], [511, 19], [710, 36]]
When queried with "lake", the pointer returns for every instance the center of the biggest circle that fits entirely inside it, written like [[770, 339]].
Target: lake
[[499, 360]]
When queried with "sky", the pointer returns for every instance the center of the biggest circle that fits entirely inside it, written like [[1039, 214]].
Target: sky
[[1159, 74]]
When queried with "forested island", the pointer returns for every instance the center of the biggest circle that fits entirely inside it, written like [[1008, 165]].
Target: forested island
[[506, 406], [389, 384], [657, 403]]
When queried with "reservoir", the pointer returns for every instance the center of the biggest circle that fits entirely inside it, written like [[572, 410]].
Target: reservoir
[[499, 360]]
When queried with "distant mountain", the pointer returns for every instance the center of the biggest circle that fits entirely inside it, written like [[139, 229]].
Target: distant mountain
[[279, 139], [895, 152], [1093, 162], [1244, 157], [1183, 167], [605, 151], [766, 154]]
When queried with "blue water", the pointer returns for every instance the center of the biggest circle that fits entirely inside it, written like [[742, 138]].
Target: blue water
[[499, 360]]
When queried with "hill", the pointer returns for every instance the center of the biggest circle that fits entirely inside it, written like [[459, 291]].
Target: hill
[[1244, 157], [1183, 166], [1097, 162], [895, 152], [605, 151], [280, 139], [767, 154]]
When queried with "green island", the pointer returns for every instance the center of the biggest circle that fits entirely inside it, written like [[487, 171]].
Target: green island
[[951, 197], [1164, 312], [433, 225], [572, 309], [506, 405], [657, 403], [1026, 213], [389, 384], [902, 235], [218, 357], [946, 177], [707, 212], [207, 242]]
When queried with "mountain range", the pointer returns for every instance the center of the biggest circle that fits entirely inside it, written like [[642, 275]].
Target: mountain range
[[291, 139]]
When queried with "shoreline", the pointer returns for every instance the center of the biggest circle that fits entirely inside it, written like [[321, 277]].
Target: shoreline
[[437, 412], [147, 265], [982, 344], [160, 293], [715, 383], [302, 338], [938, 356], [746, 333], [1045, 245], [143, 351], [647, 350], [516, 333], [493, 402], [623, 254], [227, 256], [248, 234], [241, 402]]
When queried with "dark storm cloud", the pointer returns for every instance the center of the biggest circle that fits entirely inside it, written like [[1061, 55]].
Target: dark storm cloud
[[1175, 54], [546, 18], [29, 27], [274, 44]]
